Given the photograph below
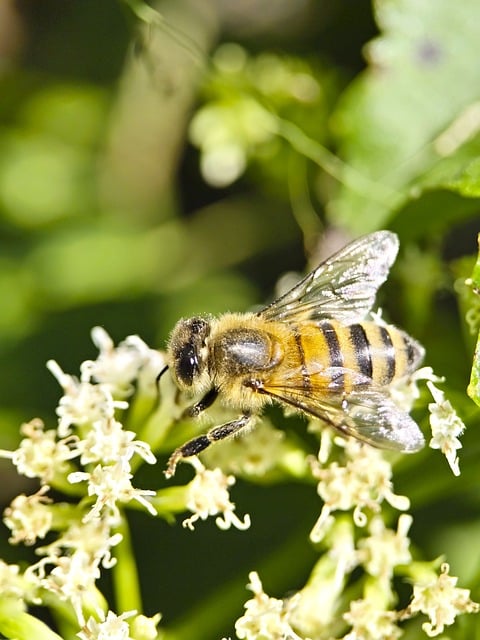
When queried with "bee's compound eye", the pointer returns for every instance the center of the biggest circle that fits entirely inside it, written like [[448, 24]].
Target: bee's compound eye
[[186, 345], [187, 364]]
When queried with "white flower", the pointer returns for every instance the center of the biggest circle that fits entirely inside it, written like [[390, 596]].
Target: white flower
[[72, 577], [111, 484], [208, 495], [40, 454], [405, 392], [117, 368], [71, 565], [265, 617], [107, 442], [10, 580], [29, 517], [93, 537], [384, 549], [111, 627], [446, 427], [144, 628], [441, 600], [116, 627], [364, 481], [369, 622], [83, 403]]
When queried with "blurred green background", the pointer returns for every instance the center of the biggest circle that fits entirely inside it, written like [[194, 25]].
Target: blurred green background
[[105, 215], [158, 165]]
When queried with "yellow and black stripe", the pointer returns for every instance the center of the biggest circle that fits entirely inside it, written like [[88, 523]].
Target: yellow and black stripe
[[356, 353], [307, 383]]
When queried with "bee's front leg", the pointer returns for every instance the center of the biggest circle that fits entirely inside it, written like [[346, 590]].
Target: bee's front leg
[[197, 445], [207, 401]]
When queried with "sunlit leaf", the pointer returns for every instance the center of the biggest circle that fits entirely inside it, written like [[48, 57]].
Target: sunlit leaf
[[468, 182], [418, 83]]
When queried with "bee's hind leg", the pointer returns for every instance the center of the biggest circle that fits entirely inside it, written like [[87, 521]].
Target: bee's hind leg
[[197, 445]]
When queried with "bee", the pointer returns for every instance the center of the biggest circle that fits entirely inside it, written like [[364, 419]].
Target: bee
[[313, 350]]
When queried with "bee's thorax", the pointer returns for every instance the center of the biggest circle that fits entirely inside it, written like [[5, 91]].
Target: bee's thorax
[[242, 351]]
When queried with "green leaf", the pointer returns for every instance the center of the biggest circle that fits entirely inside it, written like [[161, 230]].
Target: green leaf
[[473, 389], [458, 169], [468, 182], [434, 213], [420, 80]]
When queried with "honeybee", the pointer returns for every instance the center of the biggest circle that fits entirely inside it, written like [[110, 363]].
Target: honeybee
[[312, 349]]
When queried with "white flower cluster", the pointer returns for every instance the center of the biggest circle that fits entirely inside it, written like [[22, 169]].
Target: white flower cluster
[[439, 598], [208, 495], [368, 618], [91, 446], [113, 627], [353, 485], [90, 456], [265, 617], [362, 482], [89, 433], [446, 426]]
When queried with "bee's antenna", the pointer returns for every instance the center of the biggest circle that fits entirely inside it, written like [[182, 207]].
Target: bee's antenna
[[157, 379], [161, 373]]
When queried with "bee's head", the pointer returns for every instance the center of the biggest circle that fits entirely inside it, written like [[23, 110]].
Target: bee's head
[[187, 351]]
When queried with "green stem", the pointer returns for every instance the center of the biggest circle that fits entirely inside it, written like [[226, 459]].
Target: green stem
[[170, 500], [331, 164], [126, 584], [142, 406], [17, 624], [59, 482], [153, 18], [302, 206], [156, 428]]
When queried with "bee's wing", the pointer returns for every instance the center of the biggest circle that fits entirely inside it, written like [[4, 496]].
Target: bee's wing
[[343, 287], [364, 412]]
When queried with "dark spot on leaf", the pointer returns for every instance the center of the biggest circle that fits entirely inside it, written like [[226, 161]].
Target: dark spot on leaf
[[429, 52]]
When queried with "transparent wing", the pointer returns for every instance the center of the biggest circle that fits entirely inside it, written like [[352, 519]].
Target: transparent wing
[[343, 287], [364, 412]]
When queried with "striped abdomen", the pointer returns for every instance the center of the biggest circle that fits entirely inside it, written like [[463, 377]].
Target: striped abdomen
[[380, 353]]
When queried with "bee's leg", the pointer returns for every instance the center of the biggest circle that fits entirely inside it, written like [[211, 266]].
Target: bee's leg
[[197, 445], [207, 401]]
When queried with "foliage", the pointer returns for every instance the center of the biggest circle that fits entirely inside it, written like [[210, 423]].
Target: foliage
[[160, 161]]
